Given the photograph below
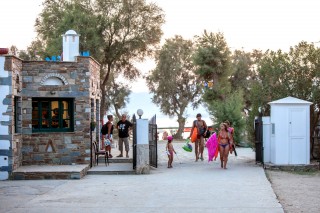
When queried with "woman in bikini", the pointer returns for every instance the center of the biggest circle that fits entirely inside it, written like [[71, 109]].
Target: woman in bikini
[[225, 141]]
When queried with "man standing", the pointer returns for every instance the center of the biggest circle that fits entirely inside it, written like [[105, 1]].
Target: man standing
[[123, 127], [202, 131]]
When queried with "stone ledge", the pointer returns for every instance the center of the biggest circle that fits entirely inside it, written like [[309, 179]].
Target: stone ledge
[[313, 166], [112, 169], [39, 172]]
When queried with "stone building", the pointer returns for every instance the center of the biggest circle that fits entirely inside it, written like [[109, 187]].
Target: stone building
[[46, 109]]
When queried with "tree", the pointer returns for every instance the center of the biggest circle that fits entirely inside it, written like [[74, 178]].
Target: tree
[[173, 82], [14, 50], [230, 109], [118, 96], [59, 16], [296, 73], [117, 33], [213, 60], [214, 63], [244, 65], [34, 52]]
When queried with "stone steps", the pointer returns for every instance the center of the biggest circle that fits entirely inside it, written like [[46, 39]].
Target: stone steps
[[42, 172], [117, 166], [112, 169]]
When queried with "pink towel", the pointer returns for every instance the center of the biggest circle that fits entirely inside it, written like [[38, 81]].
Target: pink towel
[[212, 145]]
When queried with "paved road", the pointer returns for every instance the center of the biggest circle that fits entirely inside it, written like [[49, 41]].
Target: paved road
[[188, 187]]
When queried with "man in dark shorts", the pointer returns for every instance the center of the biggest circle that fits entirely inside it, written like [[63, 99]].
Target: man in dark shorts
[[202, 131], [123, 127]]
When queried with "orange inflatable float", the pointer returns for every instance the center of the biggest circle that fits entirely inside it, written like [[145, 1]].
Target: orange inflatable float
[[194, 135]]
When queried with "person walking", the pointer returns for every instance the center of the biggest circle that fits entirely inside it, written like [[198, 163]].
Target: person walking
[[170, 150], [231, 131], [202, 130], [225, 140], [107, 132], [123, 127]]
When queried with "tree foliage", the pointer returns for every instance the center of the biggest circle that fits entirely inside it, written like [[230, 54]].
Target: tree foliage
[[173, 82], [213, 60], [230, 109], [118, 96], [244, 73], [117, 33], [214, 63], [295, 73], [34, 52]]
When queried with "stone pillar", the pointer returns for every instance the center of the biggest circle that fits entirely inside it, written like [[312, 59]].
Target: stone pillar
[[143, 165], [5, 142]]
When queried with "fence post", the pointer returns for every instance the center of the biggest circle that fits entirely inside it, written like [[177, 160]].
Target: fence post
[[142, 158]]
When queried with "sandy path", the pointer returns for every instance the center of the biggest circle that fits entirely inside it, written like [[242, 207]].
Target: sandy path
[[296, 192]]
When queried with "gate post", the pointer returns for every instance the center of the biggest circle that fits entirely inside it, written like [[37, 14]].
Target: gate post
[[142, 158]]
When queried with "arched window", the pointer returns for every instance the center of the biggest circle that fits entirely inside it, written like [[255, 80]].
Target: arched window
[[53, 81]]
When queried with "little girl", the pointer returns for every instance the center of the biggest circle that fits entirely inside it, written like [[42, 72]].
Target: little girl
[[170, 150]]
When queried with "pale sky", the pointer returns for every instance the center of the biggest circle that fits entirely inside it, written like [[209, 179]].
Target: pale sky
[[247, 24]]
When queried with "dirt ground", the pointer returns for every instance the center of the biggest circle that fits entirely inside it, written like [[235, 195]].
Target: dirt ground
[[297, 192]]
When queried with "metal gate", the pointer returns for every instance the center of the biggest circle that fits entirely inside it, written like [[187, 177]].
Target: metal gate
[[134, 141], [258, 126], [153, 141]]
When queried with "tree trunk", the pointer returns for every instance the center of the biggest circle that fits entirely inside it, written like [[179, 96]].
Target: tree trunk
[[103, 103], [182, 121], [117, 112], [314, 119], [103, 89]]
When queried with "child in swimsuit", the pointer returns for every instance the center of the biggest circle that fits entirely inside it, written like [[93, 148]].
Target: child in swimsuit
[[170, 150]]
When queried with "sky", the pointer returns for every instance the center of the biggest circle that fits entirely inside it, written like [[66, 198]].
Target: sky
[[246, 24]]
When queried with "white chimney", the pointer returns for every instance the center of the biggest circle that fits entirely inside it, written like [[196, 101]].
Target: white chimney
[[70, 41]]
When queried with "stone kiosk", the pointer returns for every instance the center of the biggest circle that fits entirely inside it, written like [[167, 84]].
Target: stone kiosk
[[46, 110]]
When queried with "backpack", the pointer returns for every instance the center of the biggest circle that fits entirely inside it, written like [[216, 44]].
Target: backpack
[[104, 129]]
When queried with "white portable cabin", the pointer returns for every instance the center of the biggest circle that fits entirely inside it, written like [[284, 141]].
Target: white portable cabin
[[290, 131]]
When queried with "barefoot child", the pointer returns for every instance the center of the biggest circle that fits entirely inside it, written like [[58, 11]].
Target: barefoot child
[[170, 150]]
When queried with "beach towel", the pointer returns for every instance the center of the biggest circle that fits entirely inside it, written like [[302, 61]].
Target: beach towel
[[212, 145]]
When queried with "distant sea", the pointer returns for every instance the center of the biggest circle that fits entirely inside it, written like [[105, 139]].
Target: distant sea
[[142, 100]]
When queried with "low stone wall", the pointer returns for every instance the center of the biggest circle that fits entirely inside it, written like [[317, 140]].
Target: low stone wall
[[56, 149], [313, 166], [44, 173]]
